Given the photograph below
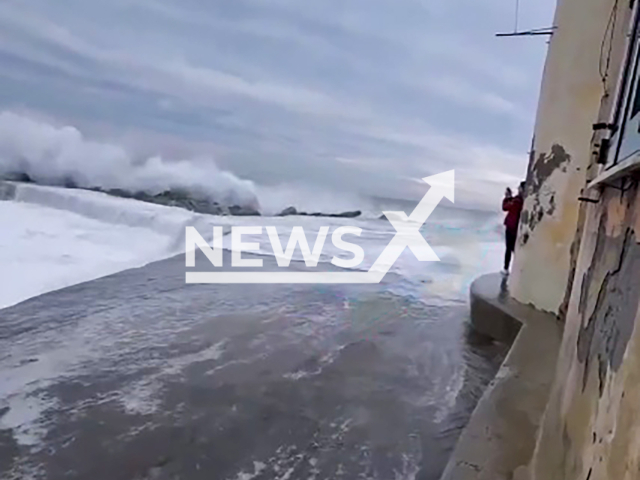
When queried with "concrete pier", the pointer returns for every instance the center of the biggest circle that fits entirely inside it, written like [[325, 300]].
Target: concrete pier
[[498, 442]]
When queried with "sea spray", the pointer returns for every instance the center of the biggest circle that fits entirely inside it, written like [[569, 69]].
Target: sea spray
[[55, 155]]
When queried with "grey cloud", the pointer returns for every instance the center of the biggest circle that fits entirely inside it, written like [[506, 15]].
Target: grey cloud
[[358, 95]]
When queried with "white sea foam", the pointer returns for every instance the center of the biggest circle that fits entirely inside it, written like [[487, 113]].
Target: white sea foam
[[55, 237]]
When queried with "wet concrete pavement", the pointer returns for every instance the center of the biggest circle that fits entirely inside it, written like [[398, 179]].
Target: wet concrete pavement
[[140, 376]]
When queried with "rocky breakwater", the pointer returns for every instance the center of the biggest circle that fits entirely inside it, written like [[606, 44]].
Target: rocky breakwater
[[183, 198], [174, 197], [293, 211], [186, 200]]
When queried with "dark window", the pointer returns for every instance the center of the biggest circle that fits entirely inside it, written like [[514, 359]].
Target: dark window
[[625, 140], [636, 101]]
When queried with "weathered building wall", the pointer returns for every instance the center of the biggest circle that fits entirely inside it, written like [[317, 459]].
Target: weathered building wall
[[591, 428], [570, 99]]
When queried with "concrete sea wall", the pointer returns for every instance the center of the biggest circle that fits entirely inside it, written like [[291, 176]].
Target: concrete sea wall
[[499, 440]]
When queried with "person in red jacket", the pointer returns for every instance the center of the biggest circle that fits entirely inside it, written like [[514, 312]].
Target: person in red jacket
[[513, 206]]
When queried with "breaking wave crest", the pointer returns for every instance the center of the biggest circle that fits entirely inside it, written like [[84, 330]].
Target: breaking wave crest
[[48, 154], [55, 155]]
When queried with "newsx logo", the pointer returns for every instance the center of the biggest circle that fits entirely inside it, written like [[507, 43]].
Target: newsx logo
[[283, 257], [407, 235]]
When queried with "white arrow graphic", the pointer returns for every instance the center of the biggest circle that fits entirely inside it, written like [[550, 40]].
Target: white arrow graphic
[[408, 235], [408, 228]]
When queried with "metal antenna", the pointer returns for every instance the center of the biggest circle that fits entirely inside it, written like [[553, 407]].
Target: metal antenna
[[516, 33], [534, 32]]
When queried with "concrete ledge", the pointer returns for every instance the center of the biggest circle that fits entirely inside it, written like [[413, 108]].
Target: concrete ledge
[[493, 311], [498, 441]]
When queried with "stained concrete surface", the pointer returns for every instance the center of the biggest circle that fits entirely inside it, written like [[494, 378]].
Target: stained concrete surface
[[140, 376]]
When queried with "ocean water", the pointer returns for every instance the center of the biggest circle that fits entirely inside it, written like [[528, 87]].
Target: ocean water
[[468, 243], [166, 380], [55, 237], [112, 367]]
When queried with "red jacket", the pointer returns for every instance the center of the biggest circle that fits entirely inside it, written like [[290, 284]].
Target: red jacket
[[513, 207]]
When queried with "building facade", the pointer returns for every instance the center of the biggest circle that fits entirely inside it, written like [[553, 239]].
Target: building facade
[[570, 100], [579, 246]]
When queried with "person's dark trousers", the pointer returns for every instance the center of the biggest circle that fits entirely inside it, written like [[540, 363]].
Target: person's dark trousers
[[510, 238]]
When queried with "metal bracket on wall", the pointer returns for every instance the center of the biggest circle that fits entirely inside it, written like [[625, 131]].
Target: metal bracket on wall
[[605, 126], [588, 200], [601, 151]]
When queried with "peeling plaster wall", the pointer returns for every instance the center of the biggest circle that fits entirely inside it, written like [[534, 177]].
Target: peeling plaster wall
[[570, 102], [584, 262], [591, 428]]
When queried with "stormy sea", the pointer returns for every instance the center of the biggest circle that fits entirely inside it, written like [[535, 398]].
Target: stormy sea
[[112, 367]]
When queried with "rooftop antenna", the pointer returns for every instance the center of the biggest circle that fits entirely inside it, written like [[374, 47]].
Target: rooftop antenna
[[518, 33]]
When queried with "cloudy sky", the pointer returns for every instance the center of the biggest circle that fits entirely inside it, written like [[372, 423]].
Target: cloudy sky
[[352, 95]]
